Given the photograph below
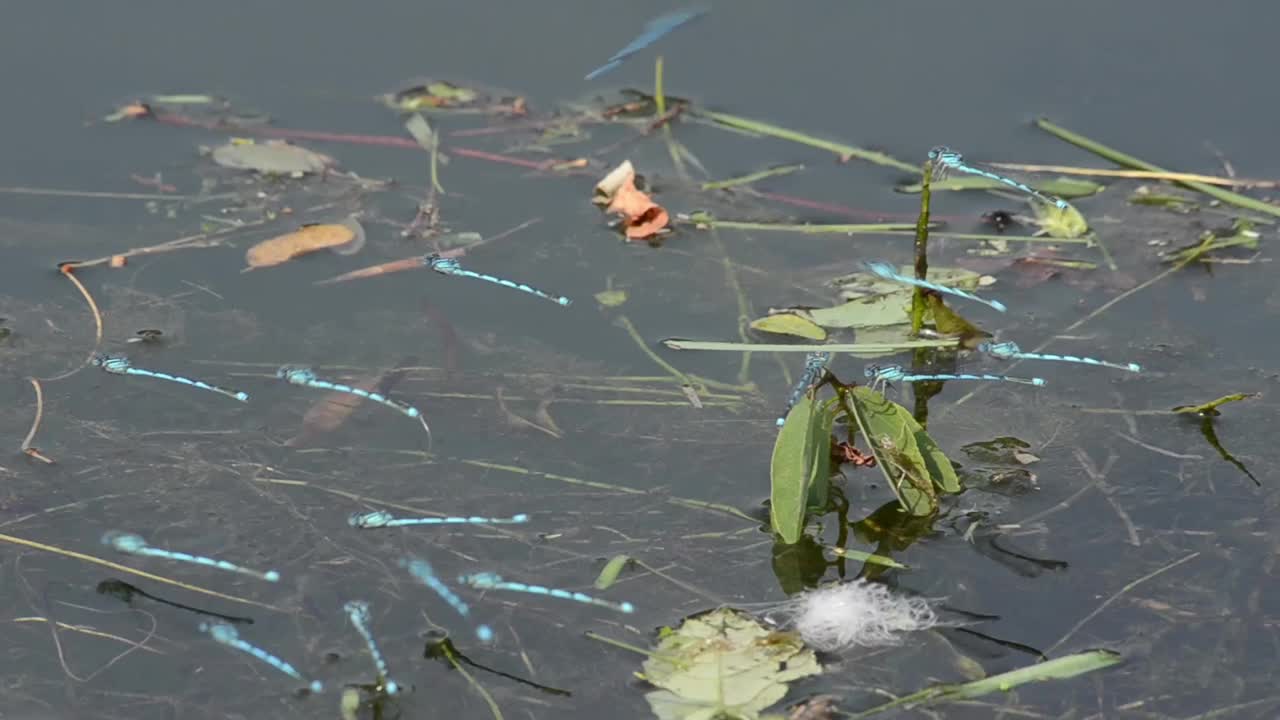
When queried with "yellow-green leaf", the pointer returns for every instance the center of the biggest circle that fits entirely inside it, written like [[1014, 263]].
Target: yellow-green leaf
[[887, 427], [789, 324]]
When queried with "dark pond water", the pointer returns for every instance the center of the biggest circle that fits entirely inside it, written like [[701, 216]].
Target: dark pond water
[[1136, 534]]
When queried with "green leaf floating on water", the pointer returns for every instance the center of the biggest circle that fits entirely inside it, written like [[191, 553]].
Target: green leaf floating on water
[[1060, 222], [875, 302], [270, 158], [789, 324], [911, 461], [800, 470], [612, 569], [724, 665]]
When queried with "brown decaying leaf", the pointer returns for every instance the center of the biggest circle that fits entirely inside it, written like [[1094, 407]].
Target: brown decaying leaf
[[341, 238], [642, 217], [333, 410]]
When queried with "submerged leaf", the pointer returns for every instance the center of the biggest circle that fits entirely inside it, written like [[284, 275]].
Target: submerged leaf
[[724, 664], [786, 323], [611, 298], [344, 238]]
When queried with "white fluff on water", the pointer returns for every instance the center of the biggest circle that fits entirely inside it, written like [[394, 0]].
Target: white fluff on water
[[857, 613]]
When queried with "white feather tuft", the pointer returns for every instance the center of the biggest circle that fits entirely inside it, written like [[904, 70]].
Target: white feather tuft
[[838, 617]]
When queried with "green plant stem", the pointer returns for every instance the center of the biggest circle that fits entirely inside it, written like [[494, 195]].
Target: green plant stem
[[751, 178], [618, 644], [713, 345], [625, 323], [488, 699], [744, 307], [660, 105], [921, 248], [845, 152], [943, 235], [807, 228], [435, 162], [1126, 160], [683, 502]]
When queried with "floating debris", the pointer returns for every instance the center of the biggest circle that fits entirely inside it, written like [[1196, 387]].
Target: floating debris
[[344, 238]]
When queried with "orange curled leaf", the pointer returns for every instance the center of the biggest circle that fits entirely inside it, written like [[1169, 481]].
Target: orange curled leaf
[[642, 217], [342, 238]]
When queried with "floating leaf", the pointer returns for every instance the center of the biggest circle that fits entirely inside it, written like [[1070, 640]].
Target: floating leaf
[[949, 322], [435, 94], [785, 323], [642, 217], [886, 336], [1211, 408], [611, 298], [873, 301], [344, 238], [272, 157], [1060, 222], [801, 463], [891, 308], [724, 664], [609, 575]]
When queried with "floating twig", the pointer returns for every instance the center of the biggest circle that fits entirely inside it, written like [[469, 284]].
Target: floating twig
[[27, 447], [126, 569], [200, 240], [66, 269], [88, 194]]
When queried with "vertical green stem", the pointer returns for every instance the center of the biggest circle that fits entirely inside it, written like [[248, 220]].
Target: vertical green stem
[[920, 356], [921, 249], [660, 104]]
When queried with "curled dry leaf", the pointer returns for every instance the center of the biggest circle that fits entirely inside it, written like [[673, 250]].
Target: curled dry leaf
[[642, 217], [345, 238]]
